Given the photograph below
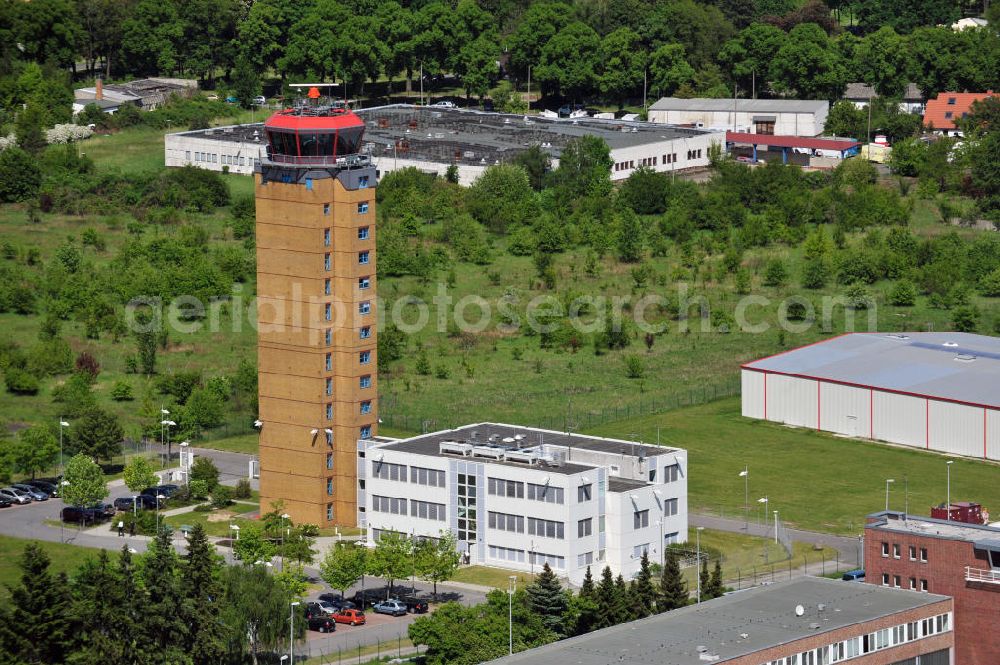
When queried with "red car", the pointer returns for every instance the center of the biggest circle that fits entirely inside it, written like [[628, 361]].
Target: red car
[[353, 617]]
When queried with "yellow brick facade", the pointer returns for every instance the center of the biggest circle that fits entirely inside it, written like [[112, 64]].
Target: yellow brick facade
[[308, 246]]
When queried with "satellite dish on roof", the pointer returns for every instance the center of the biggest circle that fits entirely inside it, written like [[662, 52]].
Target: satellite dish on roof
[[799, 610]]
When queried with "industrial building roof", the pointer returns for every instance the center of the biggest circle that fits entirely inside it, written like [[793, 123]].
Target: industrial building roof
[[955, 367], [732, 626], [481, 433], [984, 536], [742, 105], [863, 91], [774, 141]]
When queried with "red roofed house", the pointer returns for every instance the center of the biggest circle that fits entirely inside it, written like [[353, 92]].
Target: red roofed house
[[942, 112]]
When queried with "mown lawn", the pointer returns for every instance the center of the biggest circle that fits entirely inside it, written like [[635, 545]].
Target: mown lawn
[[64, 558], [498, 578], [815, 480]]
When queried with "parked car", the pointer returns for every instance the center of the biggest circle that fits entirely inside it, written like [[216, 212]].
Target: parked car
[[353, 617], [141, 501], [15, 495], [394, 607], [35, 493], [337, 601], [321, 622], [49, 488], [231, 100], [444, 104], [103, 510], [416, 605], [5, 502], [857, 575], [566, 110], [313, 608], [327, 607], [260, 100], [166, 490], [79, 514]]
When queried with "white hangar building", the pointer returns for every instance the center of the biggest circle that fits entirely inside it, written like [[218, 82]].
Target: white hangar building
[[783, 117], [936, 391], [520, 497]]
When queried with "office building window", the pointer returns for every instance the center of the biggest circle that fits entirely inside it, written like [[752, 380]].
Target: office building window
[[885, 579], [365, 357], [365, 332], [506, 554], [364, 282], [329, 486], [671, 473], [365, 381], [913, 553], [501, 487], [363, 258], [546, 493], [584, 559], [329, 386], [885, 549], [388, 504], [601, 524], [540, 559], [329, 437], [363, 208], [913, 583], [923, 585], [584, 527], [640, 519], [429, 477], [328, 311], [326, 287], [326, 237], [326, 261], [329, 362], [671, 538], [546, 528], [365, 307], [583, 492], [366, 407], [329, 512], [363, 182], [670, 507], [329, 411], [329, 461], [895, 550], [366, 432], [639, 550], [896, 581], [329, 336], [388, 471], [467, 507], [426, 510], [505, 522], [923, 554], [187, 155], [362, 233], [326, 208]]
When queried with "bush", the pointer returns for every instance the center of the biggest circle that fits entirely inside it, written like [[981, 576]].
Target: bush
[[145, 522], [222, 496], [903, 294], [243, 490], [122, 392], [203, 508], [205, 471], [198, 488], [20, 176], [20, 382], [634, 367]]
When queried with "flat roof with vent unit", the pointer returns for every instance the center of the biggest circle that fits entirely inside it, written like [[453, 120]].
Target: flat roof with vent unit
[[741, 624], [948, 366]]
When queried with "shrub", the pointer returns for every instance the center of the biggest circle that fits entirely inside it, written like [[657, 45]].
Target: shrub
[[205, 471], [20, 176], [87, 364], [203, 508], [122, 392], [775, 273], [198, 488], [965, 319], [20, 382], [243, 490], [222, 496], [903, 294], [634, 367]]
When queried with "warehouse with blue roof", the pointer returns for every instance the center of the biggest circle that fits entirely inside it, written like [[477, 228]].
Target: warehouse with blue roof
[[938, 391]]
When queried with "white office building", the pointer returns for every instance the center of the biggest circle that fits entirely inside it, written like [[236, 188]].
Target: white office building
[[517, 497], [782, 117]]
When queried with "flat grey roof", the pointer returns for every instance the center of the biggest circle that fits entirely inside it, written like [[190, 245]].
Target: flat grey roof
[[252, 133], [982, 536], [428, 444], [742, 105], [622, 485], [958, 367], [765, 614]]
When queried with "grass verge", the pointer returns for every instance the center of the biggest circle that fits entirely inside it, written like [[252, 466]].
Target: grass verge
[[65, 559]]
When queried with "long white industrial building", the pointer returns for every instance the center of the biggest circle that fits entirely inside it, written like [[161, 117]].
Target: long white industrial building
[[518, 497], [935, 391]]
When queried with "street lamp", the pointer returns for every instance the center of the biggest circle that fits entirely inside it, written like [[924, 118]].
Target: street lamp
[[62, 520], [291, 631], [168, 424], [184, 456], [163, 421], [159, 497], [236, 528], [948, 465], [888, 481], [511, 586], [281, 560], [763, 500], [62, 424], [776, 527], [697, 570], [745, 475]]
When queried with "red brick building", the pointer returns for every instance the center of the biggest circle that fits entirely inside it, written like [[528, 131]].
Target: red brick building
[[941, 557], [804, 621]]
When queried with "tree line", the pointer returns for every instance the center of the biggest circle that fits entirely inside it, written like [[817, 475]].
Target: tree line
[[544, 611]]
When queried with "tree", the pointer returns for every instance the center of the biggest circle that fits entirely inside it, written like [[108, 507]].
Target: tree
[[36, 450], [478, 65], [568, 62], [138, 474], [98, 613], [20, 175], [343, 565], [903, 294], [508, 100], [547, 599], [501, 198], [436, 560], [146, 342], [252, 547], [40, 605], [807, 65], [536, 162], [747, 57], [645, 191], [538, 25], [85, 480], [715, 588], [392, 559], [623, 63], [644, 593], [965, 319], [669, 70], [246, 81], [704, 577], [881, 60], [163, 624], [254, 610], [583, 607], [631, 237], [201, 589], [204, 469], [98, 434], [622, 609], [904, 16], [584, 170], [673, 588], [606, 599]]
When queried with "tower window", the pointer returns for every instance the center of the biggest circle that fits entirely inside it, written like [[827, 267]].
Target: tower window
[[329, 336], [365, 381], [326, 287], [326, 208], [366, 432], [329, 486], [309, 184], [365, 357], [328, 311], [329, 438], [365, 332], [363, 182], [329, 512], [362, 258], [326, 237], [364, 307], [366, 406], [362, 233], [364, 282], [326, 261], [329, 386], [329, 411], [329, 362], [329, 461], [363, 208]]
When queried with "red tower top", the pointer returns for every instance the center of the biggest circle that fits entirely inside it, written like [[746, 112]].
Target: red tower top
[[313, 135]]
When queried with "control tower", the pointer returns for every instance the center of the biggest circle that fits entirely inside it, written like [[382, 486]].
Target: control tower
[[316, 315]]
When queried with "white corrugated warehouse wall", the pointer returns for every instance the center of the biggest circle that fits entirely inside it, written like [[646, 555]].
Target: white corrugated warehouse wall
[[861, 412]]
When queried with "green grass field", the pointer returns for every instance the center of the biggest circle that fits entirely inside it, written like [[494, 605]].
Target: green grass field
[[65, 558], [815, 480]]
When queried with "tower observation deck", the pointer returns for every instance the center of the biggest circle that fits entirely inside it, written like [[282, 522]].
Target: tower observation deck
[[316, 312]]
